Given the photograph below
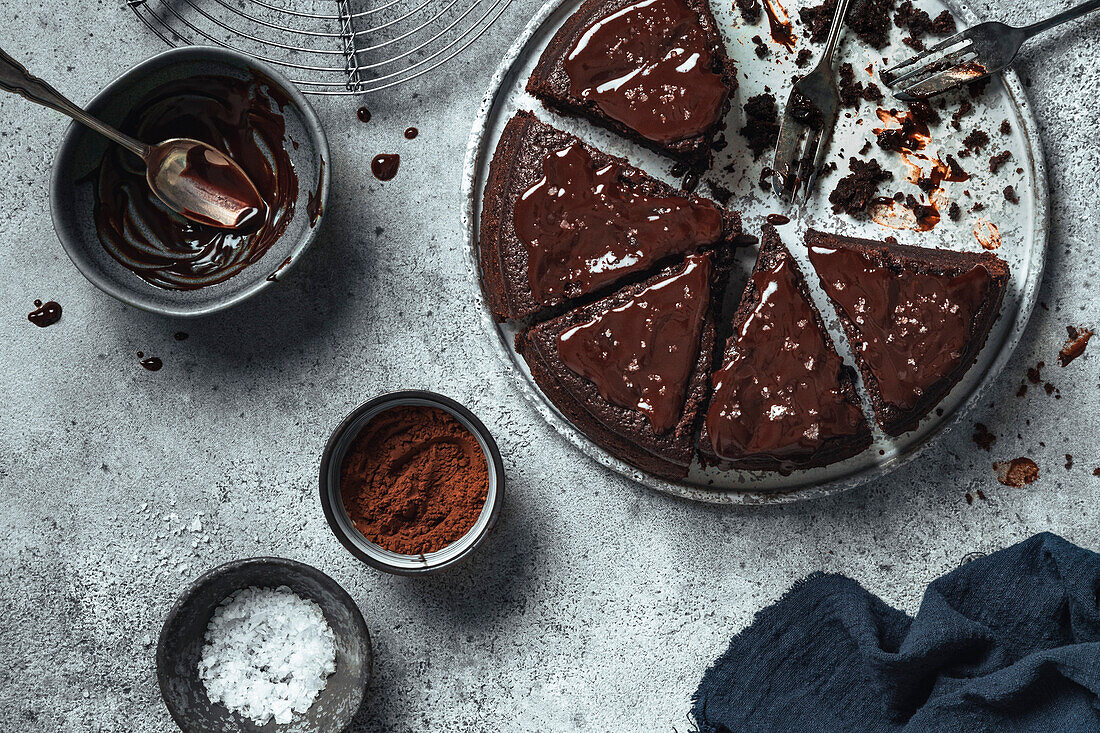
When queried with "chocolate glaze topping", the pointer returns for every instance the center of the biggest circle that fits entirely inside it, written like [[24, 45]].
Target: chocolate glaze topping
[[640, 355], [46, 314], [384, 166], [914, 327], [777, 392], [650, 67], [240, 117], [584, 229]]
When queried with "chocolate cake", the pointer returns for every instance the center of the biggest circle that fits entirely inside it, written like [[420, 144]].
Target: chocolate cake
[[561, 220], [655, 71], [916, 317], [631, 370], [783, 398]]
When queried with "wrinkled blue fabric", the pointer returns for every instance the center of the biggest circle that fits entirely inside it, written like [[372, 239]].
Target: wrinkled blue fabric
[[1008, 642]]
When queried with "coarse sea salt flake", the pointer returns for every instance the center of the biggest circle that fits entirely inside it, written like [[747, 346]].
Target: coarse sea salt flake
[[268, 654]]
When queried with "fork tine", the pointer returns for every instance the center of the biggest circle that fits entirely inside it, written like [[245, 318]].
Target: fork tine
[[786, 157], [926, 70], [893, 75], [806, 160], [941, 82], [818, 159]]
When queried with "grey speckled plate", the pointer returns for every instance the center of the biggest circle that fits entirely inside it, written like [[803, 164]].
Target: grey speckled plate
[[1023, 229]]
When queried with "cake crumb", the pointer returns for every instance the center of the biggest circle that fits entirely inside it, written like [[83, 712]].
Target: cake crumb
[[983, 438], [954, 211], [1005, 128], [1078, 339], [761, 123], [854, 191], [803, 58], [1017, 472], [1034, 374], [1069, 461], [750, 10], [999, 160], [944, 24], [1011, 196], [761, 47], [976, 140]]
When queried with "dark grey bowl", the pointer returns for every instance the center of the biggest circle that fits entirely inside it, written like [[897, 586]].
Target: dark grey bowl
[[352, 539], [72, 186], [181, 641]]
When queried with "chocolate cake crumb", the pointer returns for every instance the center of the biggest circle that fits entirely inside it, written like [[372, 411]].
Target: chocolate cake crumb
[[803, 58], [1017, 472], [854, 191], [954, 212], [750, 10], [983, 438], [969, 498], [761, 123], [1096, 471], [720, 193], [761, 47], [964, 109], [802, 109], [998, 160], [944, 24], [955, 171], [913, 18], [1022, 391], [1005, 128], [870, 19], [1034, 374], [1075, 345], [1069, 461], [978, 207], [1049, 388], [872, 92], [976, 140], [1010, 195], [866, 147], [851, 91]]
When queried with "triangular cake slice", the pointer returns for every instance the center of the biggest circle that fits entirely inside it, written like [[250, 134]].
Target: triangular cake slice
[[783, 398], [630, 370], [916, 317], [655, 71], [561, 220]]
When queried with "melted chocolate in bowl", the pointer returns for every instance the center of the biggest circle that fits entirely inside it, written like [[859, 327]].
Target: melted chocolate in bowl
[[240, 117]]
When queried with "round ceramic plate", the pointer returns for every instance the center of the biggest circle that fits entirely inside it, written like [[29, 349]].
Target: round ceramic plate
[[1022, 227]]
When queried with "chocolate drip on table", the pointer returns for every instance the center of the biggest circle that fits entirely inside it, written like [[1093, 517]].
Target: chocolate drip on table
[[411, 133], [649, 66], [640, 354], [45, 314], [240, 117], [151, 363], [914, 327], [384, 166], [363, 114], [777, 395], [584, 228]]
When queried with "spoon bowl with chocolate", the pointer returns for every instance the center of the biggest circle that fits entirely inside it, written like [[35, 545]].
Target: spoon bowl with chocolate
[[237, 235]]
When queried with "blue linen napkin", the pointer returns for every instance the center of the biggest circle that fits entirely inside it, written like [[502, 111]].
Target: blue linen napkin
[[1008, 642]]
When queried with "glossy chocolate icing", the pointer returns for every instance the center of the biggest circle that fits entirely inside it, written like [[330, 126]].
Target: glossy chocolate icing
[[650, 67], [914, 327], [583, 228], [640, 355], [240, 117], [777, 393]]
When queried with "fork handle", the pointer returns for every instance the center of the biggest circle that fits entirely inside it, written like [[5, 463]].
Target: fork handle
[[1062, 17], [838, 25]]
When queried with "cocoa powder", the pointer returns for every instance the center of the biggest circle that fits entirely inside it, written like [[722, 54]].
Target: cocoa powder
[[414, 480]]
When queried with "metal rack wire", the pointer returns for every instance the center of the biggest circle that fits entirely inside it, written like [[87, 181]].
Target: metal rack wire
[[329, 47]]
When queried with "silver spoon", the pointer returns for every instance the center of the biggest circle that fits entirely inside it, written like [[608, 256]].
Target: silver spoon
[[191, 177]]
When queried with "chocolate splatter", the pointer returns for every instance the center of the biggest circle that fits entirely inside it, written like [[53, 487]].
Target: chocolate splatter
[[45, 314]]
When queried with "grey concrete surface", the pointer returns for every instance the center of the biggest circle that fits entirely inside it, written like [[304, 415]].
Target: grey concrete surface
[[597, 604]]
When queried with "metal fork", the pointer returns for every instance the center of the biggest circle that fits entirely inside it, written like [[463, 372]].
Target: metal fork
[[811, 112], [968, 56]]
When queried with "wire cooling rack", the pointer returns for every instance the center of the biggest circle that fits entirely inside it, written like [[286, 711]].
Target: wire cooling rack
[[329, 47]]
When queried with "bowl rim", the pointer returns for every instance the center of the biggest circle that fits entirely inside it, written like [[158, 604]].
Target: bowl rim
[[311, 122], [192, 589], [332, 507]]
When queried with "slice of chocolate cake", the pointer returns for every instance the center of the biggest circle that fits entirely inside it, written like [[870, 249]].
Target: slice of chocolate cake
[[561, 220], [916, 317], [630, 370], [655, 71], [783, 398]]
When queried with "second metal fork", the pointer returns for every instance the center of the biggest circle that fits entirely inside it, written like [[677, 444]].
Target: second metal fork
[[811, 114]]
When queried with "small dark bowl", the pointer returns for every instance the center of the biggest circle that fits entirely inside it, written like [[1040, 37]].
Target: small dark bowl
[[72, 187], [333, 504], [181, 642]]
